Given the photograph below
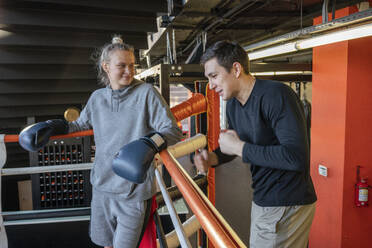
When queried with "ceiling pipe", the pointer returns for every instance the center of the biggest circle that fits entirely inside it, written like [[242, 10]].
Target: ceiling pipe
[[308, 14], [349, 33], [243, 5], [231, 13], [325, 11], [353, 19]]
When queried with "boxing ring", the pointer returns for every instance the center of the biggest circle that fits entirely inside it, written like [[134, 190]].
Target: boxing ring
[[206, 216]]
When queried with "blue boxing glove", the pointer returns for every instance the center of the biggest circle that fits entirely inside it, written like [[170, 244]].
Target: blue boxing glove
[[134, 159], [34, 137]]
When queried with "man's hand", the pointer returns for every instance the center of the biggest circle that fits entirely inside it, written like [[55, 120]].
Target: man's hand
[[230, 143], [204, 159]]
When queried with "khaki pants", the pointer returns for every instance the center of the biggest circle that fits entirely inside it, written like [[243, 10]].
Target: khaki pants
[[281, 226]]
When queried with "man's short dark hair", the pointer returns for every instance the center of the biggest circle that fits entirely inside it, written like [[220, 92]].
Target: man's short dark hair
[[227, 53]]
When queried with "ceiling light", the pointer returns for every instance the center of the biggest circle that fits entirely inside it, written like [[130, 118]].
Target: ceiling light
[[4, 34], [342, 35], [272, 51], [329, 38], [275, 73], [293, 72]]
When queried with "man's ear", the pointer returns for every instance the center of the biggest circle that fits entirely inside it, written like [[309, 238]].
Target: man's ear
[[237, 69]]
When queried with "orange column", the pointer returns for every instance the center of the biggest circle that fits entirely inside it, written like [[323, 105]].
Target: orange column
[[341, 139], [213, 113]]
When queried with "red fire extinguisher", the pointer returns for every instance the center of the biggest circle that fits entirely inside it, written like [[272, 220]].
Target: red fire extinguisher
[[361, 190]]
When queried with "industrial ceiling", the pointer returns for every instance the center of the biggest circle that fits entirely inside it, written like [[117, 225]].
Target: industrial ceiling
[[46, 45]]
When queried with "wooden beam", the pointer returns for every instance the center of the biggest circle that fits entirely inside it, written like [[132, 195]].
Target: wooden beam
[[47, 72], [24, 156], [9, 100], [66, 39], [44, 110], [269, 67], [48, 86], [44, 56], [70, 20], [287, 78], [12, 122], [152, 6]]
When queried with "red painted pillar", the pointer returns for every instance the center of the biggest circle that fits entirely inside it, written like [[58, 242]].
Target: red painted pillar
[[213, 113], [341, 139]]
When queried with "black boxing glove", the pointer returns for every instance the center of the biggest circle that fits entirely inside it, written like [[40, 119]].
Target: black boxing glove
[[35, 136], [134, 159]]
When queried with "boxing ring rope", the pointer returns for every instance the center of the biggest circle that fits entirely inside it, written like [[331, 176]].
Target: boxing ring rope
[[180, 149], [193, 106], [43, 169], [217, 229], [14, 137]]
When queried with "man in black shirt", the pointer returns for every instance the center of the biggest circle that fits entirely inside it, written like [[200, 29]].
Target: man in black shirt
[[267, 129]]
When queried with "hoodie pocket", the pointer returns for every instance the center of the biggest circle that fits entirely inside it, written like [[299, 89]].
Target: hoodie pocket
[[132, 188]]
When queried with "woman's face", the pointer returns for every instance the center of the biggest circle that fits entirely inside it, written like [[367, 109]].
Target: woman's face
[[120, 68]]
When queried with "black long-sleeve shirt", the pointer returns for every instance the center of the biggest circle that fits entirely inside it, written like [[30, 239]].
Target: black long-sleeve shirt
[[273, 127]]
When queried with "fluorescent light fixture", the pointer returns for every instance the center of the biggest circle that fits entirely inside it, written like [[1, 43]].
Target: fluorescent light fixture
[[342, 35], [324, 39], [293, 72], [4, 34], [274, 73], [269, 73], [271, 51]]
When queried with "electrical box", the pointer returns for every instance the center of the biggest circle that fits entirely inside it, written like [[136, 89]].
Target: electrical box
[[323, 171]]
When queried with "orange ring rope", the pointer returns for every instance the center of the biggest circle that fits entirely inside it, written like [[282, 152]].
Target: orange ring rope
[[14, 137], [195, 105]]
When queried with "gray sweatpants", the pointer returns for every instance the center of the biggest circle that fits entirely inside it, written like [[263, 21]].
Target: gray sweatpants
[[273, 227], [116, 222]]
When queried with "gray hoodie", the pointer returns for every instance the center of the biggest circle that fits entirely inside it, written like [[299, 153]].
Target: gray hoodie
[[117, 118]]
